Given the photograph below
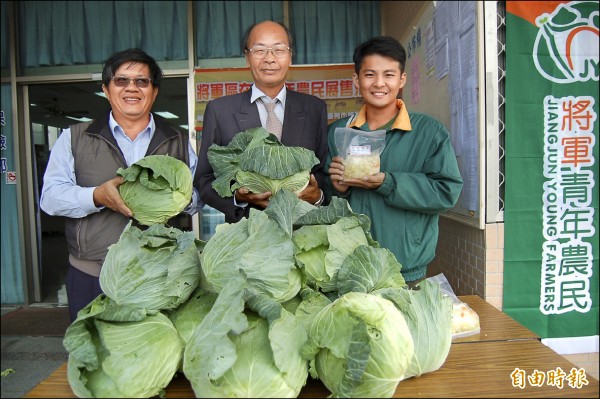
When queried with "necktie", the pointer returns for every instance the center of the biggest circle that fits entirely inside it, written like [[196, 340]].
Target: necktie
[[274, 125]]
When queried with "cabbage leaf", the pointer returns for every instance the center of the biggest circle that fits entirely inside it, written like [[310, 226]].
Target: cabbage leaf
[[367, 269], [191, 313]]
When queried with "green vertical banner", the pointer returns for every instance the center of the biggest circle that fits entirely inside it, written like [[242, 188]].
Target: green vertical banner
[[551, 197]]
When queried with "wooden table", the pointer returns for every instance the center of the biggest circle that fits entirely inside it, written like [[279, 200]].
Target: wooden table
[[480, 367], [483, 369], [476, 370], [494, 324]]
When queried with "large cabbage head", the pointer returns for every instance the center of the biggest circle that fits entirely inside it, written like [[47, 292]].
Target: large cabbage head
[[256, 373], [271, 168], [121, 352], [359, 346], [257, 160], [259, 247], [321, 249], [157, 268], [236, 352], [156, 188], [428, 313]]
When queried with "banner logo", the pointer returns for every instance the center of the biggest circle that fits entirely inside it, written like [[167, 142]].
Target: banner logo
[[566, 46]]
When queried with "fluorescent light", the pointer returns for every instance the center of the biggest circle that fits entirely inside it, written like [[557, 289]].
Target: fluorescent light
[[100, 93], [184, 127], [167, 115], [82, 119]]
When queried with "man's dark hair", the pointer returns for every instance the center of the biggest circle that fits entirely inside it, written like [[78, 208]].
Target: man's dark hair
[[132, 56], [249, 30], [386, 46]]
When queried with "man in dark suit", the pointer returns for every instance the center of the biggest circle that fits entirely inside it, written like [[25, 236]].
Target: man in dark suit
[[268, 50]]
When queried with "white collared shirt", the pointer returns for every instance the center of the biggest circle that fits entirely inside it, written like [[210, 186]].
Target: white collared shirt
[[262, 112]]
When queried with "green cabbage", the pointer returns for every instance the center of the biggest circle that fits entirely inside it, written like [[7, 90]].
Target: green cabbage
[[429, 316], [257, 246], [321, 249], [156, 188], [189, 314], [369, 268], [292, 290], [257, 183], [257, 160], [120, 352], [244, 350], [359, 346], [157, 268], [255, 373]]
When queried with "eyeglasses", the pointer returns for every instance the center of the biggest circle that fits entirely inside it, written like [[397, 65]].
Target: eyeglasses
[[121, 81], [279, 51]]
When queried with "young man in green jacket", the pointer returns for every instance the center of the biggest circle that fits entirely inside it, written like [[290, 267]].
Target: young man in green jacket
[[419, 175]]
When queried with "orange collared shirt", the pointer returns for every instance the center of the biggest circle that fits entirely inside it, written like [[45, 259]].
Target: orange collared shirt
[[402, 121]]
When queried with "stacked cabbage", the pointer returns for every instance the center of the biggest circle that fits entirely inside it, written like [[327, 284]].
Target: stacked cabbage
[[290, 291], [122, 344]]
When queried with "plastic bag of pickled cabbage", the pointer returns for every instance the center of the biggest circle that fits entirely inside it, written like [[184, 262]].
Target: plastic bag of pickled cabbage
[[360, 151]]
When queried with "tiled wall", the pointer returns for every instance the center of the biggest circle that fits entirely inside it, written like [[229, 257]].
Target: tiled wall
[[460, 256], [494, 264], [473, 262]]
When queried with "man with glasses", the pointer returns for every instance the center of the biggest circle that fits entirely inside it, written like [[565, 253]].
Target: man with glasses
[[81, 181], [297, 119]]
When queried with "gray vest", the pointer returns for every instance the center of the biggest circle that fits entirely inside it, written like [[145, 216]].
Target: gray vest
[[97, 158]]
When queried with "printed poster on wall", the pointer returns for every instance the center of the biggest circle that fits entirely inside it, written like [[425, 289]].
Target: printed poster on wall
[[551, 208], [331, 83]]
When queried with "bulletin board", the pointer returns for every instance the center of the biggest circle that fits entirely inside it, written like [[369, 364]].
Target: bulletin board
[[443, 82]]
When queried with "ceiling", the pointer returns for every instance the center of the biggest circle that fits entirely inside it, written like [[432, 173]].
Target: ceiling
[[55, 101]]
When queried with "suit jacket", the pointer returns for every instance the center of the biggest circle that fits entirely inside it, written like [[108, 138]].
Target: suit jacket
[[304, 125]]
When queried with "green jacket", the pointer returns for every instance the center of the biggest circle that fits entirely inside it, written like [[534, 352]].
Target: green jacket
[[422, 179]]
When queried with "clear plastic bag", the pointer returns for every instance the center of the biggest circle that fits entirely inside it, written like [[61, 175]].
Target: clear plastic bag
[[465, 321], [360, 150]]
